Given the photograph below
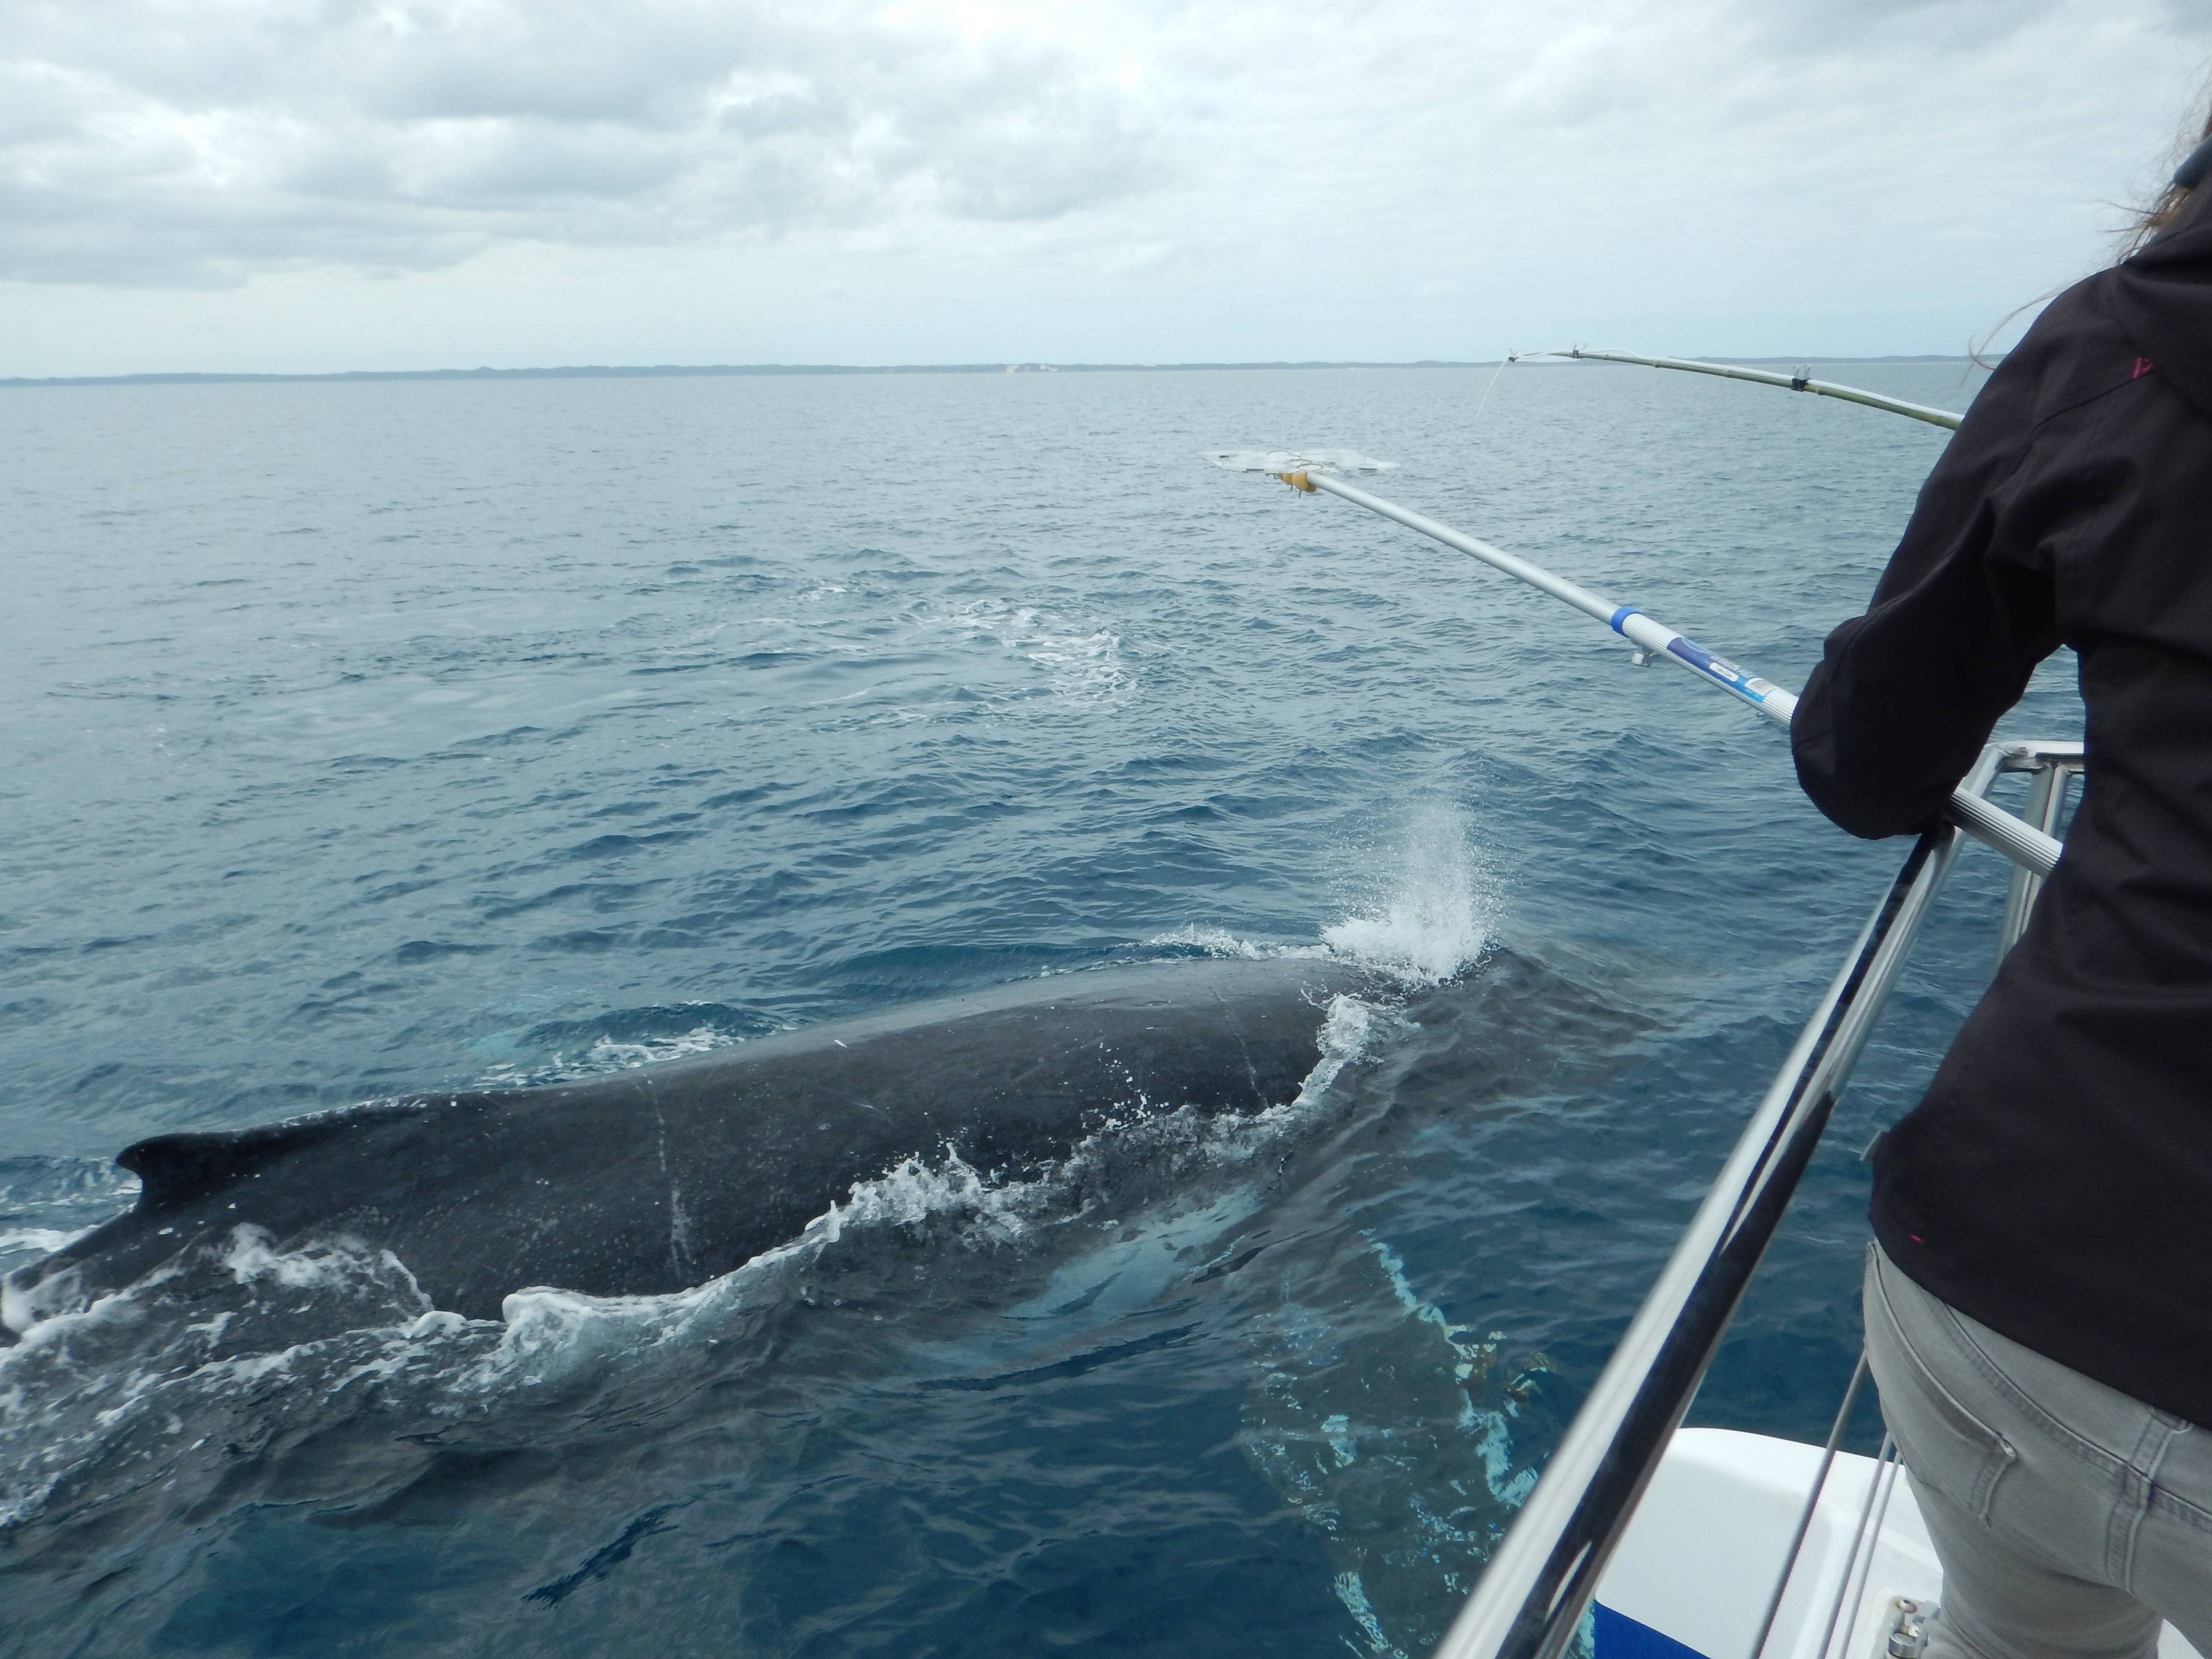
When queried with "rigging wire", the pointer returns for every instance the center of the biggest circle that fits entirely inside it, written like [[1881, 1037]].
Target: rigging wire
[[1858, 1567], [1812, 1505], [1510, 357]]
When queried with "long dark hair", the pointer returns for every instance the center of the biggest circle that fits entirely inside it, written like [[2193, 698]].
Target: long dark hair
[[2143, 223], [2148, 221]]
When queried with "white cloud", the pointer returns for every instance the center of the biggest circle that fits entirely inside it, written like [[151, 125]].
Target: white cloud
[[159, 143], [435, 181]]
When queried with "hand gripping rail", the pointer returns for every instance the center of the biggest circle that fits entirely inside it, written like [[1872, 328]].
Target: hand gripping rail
[[2025, 845]]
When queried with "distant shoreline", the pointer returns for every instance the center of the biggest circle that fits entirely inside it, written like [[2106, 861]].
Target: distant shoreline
[[669, 371]]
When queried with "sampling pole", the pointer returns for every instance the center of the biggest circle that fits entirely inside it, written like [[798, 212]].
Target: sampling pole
[[1993, 826], [1942, 417]]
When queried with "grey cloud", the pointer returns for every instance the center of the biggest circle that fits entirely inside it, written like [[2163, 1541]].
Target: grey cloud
[[1852, 25], [152, 142]]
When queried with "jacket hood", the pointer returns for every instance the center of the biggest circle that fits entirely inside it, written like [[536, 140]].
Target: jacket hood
[[2162, 300]]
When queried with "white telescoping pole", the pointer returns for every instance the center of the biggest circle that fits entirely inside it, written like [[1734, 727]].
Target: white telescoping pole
[[1653, 638], [1992, 825]]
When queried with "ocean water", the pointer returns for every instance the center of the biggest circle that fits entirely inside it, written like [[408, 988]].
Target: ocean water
[[362, 737]]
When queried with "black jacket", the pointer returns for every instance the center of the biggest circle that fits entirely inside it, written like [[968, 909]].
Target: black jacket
[[2056, 1182]]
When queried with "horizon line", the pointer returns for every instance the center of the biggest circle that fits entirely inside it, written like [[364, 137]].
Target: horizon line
[[650, 371]]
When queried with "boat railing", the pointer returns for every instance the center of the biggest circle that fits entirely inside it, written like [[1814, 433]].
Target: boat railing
[[1531, 1600], [2051, 768]]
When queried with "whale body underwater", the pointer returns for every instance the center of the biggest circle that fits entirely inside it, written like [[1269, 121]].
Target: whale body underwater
[[655, 1180]]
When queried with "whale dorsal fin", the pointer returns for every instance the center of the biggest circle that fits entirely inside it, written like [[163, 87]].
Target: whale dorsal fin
[[177, 1169]]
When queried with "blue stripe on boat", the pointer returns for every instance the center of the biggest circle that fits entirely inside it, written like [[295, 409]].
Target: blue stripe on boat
[[1619, 1637]]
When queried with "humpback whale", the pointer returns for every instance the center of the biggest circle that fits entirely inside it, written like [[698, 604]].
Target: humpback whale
[[653, 1180]]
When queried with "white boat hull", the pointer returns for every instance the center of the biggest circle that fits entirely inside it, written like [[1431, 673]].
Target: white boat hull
[[1692, 1578]]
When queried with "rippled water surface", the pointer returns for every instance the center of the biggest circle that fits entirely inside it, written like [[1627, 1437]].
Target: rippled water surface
[[360, 738]]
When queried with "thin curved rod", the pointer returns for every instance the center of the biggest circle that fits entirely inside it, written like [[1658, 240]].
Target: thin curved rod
[[1851, 394]]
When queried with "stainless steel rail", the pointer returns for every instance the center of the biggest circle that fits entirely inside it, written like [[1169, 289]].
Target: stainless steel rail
[[1532, 1597], [2051, 768]]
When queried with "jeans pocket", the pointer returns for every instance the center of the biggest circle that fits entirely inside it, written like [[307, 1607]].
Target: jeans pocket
[[1943, 1443]]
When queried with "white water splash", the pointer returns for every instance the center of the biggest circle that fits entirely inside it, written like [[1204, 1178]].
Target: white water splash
[[1434, 921], [913, 1192], [990, 1213], [1082, 665], [1296, 460], [338, 1263], [553, 1336], [225, 1343], [608, 1054], [44, 1241], [1345, 1032], [1221, 942], [1431, 923]]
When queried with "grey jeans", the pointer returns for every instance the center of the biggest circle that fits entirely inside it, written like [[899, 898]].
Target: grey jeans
[[2070, 1518]]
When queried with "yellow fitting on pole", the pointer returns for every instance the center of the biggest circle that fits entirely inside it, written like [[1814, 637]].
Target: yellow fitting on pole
[[1297, 481]]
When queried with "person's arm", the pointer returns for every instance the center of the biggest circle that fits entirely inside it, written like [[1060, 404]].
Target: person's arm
[[1905, 695]]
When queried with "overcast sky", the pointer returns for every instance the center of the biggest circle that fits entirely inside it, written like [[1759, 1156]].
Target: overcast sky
[[315, 184]]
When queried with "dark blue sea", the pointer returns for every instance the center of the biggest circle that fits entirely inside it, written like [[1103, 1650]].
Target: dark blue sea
[[364, 737]]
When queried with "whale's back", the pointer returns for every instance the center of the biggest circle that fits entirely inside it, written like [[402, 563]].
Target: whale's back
[[652, 1180]]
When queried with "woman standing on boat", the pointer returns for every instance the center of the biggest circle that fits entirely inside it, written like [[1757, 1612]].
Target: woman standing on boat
[[2038, 1299]]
